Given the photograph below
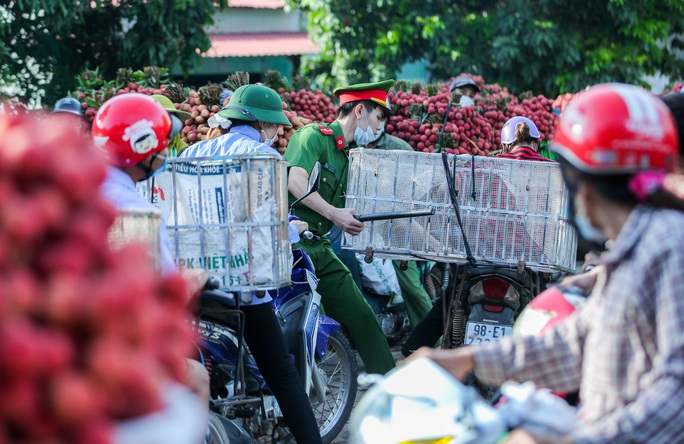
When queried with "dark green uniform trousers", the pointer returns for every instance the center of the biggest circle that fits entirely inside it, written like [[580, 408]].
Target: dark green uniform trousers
[[416, 299], [343, 302]]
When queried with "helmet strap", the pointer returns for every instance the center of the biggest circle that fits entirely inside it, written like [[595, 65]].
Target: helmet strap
[[146, 169]]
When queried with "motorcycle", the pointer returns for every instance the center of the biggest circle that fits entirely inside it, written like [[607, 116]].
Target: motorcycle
[[484, 299], [420, 403], [321, 352]]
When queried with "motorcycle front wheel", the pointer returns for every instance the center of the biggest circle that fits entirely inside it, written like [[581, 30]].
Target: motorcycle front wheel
[[216, 433], [338, 371]]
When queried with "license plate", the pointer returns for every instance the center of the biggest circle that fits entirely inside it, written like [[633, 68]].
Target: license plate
[[481, 332]]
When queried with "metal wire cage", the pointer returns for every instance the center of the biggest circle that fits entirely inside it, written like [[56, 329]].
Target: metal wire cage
[[229, 216], [137, 225], [511, 210]]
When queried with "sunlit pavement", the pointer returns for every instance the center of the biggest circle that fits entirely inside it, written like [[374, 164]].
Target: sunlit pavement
[[343, 437]]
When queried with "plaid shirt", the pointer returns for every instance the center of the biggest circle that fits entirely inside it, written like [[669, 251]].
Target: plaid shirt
[[626, 345], [524, 153]]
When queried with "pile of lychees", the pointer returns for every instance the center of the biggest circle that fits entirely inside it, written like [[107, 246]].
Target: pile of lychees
[[89, 336]]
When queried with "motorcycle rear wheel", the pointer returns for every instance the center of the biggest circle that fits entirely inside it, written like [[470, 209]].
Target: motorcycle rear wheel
[[338, 370]]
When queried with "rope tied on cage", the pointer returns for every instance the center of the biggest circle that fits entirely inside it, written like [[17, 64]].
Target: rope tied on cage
[[473, 194], [454, 200]]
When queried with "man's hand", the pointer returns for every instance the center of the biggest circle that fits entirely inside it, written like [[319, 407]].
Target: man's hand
[[301, 225], [585, 281], [196, 279], [344, 218], [459, 362], [197, 379]]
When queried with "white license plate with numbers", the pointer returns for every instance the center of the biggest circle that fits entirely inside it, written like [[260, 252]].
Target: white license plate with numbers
[[481, 332]]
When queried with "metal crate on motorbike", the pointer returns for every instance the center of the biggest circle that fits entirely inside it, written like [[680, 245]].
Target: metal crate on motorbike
[[511, 210], [228, 216], [136, 225]]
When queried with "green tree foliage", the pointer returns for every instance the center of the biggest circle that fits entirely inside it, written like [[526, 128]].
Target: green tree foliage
[[544, 46], [45, 43]]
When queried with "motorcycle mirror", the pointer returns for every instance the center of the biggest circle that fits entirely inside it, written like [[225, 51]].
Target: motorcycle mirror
[[312, 185], [314, 178]]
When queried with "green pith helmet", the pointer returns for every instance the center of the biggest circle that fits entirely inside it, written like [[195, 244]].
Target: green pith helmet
[[168, 105], [255, 103]]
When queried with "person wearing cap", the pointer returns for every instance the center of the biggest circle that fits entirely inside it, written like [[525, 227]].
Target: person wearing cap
[[250, 125], [176, 145], [68, 105], [467, 88], [416, 299], [361, 116], [623, 349], [71, 111]]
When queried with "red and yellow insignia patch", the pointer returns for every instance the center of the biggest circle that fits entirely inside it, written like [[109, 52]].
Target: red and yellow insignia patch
[[340, 142], [325, 130]]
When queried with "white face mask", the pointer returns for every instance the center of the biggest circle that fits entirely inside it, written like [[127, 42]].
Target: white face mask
[[466, 101], [270, 141], [363, 138]]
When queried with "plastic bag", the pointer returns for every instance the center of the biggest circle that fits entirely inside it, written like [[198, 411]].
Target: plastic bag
[[379, 276]]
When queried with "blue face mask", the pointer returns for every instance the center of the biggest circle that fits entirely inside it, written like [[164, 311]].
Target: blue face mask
[[584, 227], [382, 130], [363, 138], [588, 231]]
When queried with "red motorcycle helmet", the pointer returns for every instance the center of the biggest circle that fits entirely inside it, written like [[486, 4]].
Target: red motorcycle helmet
[[548, 309], [617, 129], [131, 127]]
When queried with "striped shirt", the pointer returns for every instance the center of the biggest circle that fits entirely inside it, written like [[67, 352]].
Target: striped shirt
[[523, 153], [625, 345]]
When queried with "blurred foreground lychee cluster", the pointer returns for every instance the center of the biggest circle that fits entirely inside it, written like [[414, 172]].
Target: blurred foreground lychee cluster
[[88, 336]]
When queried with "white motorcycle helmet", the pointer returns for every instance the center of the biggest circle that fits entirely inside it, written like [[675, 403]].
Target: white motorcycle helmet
[[420, 402]]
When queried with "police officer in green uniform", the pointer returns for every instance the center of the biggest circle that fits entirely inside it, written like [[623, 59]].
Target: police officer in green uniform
[[363, 110], [416, 299]]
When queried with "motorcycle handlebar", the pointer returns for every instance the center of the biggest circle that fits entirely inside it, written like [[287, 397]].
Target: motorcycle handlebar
[[308, 235], [212, 284], [397, 215]]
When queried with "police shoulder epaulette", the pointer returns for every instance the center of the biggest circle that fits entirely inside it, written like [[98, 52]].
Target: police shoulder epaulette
[[325, 130]]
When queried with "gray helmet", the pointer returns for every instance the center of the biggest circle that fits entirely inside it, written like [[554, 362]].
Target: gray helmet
[[68, 105]]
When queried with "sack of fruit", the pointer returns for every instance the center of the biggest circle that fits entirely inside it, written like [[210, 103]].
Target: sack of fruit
[[229, 217]]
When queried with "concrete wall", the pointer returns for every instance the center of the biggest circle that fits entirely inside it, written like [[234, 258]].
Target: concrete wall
[[251, 20]]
